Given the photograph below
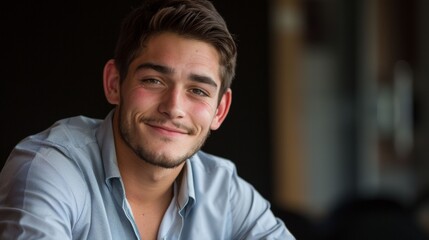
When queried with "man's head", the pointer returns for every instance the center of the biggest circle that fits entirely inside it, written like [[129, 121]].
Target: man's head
[[170, 80], [196, 19]]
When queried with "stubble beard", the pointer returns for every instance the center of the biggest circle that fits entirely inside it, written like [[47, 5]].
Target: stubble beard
[[152, 156]]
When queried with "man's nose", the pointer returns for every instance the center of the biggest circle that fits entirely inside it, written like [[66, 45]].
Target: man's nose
[[172, 104]]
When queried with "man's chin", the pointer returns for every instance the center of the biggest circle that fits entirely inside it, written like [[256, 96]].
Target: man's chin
[[165, 163]]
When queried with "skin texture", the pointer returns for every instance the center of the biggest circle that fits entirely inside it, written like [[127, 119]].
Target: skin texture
[[165, 110]]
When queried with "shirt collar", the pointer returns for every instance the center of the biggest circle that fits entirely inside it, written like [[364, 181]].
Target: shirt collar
[[106, 143], [186, 191]]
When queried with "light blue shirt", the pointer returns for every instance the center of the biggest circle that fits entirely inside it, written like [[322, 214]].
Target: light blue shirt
[[64, 183]]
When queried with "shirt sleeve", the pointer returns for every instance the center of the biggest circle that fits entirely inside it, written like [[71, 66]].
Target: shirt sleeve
[[36, 200], [251, 214]]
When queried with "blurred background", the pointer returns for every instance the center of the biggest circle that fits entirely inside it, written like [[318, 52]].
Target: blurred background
[[330, 111]]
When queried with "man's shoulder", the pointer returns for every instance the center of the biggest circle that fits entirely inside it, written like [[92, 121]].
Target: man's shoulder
[[65, 149], [76, 129], [210, 162], [63, 140], [212, 168], [73, 131]]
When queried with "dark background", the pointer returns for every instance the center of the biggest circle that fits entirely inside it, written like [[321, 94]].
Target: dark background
[[53, 54]]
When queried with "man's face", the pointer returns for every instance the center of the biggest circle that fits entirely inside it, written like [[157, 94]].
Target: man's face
[[169, 100]]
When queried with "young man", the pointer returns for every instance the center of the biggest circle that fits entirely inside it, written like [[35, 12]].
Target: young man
[[139, 174]]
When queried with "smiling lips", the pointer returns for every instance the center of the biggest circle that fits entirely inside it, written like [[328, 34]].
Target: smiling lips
[[167, 130]]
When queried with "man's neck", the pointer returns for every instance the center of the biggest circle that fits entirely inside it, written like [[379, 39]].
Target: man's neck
[[145, 182]]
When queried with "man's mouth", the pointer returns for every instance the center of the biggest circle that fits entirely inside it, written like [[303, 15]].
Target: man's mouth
[[168, 129]]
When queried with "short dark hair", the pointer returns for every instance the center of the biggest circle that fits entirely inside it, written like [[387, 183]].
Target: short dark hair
[[197, 19]]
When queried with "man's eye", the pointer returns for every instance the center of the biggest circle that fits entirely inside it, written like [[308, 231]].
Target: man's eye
[[151, 81], [199, 92]]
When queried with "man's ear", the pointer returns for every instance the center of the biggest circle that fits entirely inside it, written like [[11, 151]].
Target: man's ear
[[111, 82], [222, 110]]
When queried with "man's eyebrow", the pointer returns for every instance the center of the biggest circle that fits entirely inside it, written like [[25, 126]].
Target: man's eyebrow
[[203, 79], [157, 67]]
